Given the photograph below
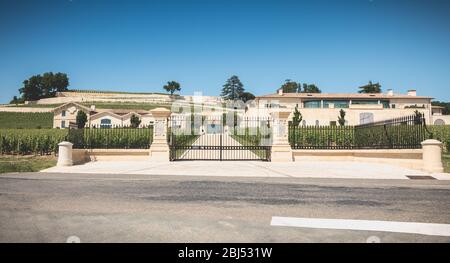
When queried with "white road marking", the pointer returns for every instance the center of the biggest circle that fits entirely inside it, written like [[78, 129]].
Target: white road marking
[[430, 229]]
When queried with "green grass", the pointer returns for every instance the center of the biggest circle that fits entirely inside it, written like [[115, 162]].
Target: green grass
[[35, 105], [446, 162], [12, 164], [26, 120]]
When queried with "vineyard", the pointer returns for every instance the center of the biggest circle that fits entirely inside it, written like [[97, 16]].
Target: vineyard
[[26, 120], [31, 141], [442, 133], [115, 138]]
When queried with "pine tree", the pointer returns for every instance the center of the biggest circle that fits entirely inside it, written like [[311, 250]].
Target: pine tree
[[341, 118], [233, 89], [297, 119]]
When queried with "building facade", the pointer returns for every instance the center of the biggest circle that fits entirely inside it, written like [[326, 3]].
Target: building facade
[[65, 116], [324, 109]]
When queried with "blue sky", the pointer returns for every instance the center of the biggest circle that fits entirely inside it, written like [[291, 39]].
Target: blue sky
[[140, 45]]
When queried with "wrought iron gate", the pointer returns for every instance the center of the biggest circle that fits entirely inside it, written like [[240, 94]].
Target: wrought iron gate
[[213, 138]]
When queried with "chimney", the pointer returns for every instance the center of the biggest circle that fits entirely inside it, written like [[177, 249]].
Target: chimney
[[92, 107], [280, 91], [390, 92], [412, 92]]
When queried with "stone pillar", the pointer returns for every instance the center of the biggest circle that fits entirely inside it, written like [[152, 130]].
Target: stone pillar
[[281, 150], [432, 156], [65, 154], [159, 150]]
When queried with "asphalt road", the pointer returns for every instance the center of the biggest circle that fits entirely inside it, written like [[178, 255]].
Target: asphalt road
[[140, 208]]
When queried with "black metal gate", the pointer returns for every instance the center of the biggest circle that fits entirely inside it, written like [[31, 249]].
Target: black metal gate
[[215, 138]]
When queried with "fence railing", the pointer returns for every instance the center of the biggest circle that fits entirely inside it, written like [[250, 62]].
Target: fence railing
[[399, 133], [321, 137], [111, 138]]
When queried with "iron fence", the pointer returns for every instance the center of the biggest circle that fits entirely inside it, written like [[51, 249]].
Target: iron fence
[[116, 137], [400, 133]]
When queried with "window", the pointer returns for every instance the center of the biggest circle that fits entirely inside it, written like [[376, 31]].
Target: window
[[63, 113], [304, 122], [332, 123], [364, 101], [312, 104], [63, 124], [105, 123], [385, 104], [317, 123], [339, 104], [365, 117]]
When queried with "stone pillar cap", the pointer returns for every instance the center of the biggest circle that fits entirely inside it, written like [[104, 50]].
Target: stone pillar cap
[[431, 142], [65, 144], [160, 112]]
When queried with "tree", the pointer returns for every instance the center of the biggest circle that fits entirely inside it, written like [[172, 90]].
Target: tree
[[81, 119], [370, 88], [172, 86], [232, 89], [135, 121], [246, 96], [310, 88], [290, 86], [341, 117], [16, 100], [297, 119], [45, 86], [418, 117]]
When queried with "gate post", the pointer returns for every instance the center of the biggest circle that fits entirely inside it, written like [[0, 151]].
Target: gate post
[[281, 149], [159, 149], [432, 154]]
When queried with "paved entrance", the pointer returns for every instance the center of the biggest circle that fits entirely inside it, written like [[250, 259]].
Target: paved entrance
[[211, 139], [299, 169], [218, 147]]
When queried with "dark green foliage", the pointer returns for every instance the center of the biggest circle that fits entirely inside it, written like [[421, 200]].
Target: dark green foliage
[[232, 89], [45, 86], [441, 133], [26, 120], [370, 88], [310, 88], [246, 96], [297, 119], [341, 117], [399, 133], [31, 141], [290, 86], [311, 137], [172, 86], [16, 100], [81, 119], [135, 121], [112, 138], [296, 87]]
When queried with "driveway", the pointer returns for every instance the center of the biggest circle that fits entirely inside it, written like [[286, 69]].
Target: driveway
[[298, 169]]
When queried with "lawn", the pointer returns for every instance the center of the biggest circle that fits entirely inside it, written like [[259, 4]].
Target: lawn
[[446, 162], [26, 120], [11, 164]]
